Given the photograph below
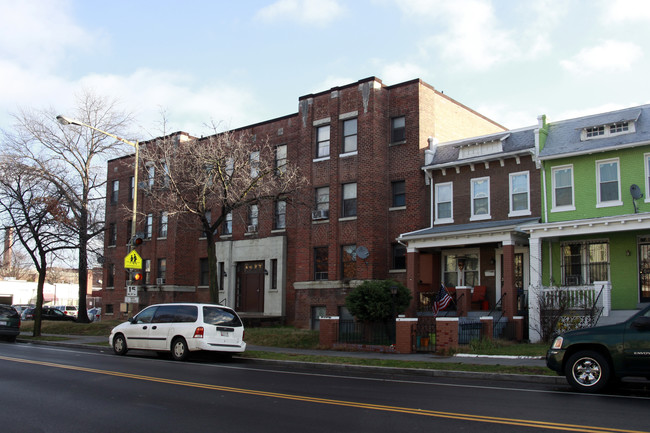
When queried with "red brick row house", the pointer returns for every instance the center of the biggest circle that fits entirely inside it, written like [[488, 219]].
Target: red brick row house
[[361, 148]]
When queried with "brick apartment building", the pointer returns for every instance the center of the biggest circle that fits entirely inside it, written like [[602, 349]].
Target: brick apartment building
[[361, 146]]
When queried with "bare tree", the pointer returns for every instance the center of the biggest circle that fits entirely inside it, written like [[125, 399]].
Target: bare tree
[[73, 160], [32, 207], [223, 172], [17, 265]]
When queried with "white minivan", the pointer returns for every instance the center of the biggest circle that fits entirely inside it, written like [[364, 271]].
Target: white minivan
[[180, 329]]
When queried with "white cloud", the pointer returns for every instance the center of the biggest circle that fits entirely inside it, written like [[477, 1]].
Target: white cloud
[[37, 34], [609, 56], [617, 11], [307, 12]]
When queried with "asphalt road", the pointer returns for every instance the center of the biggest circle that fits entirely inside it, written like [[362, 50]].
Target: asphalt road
[[53, 389]]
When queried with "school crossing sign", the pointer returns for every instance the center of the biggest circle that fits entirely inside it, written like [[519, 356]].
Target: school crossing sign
[[133, 260]]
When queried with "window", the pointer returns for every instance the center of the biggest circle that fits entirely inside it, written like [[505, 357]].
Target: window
[[110, 277], [563, 188], [647, 175], [151, 174], [146, 267], [148, 226], [208, 218], [348, 261], [162, 225], [399, 256], [230, 166], [460, 270], [109, 308], [115, 191], [349, 199], [226, 227], [317, 311], [519, 194], [131, 188], [604, 131], [204, 272], [129, 230], [252, 218], [349, 136], [444, 208], [166, 176], [255, 164], [221, 269], [274, 274], [322, 210], [480, 198], [399, 193], [280, 220], [280, 159], [609, 191], [112, 235], [320, 263], [584, 262], [322, 141], [162, 271], [397, 129]]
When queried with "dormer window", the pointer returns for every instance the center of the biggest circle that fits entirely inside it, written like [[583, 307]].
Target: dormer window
[[602, 131]]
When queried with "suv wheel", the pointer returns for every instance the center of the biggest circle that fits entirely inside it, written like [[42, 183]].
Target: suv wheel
[[179, 349], [119, 345], [587, 371]]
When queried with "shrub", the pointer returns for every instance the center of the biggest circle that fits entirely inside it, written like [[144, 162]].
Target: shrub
[[372, 300]]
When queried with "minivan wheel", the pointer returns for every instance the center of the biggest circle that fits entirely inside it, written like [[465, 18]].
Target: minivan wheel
[[179, 349], [119, 345], [588, 371]]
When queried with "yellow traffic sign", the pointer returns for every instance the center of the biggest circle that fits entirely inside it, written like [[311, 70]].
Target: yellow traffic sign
[[133, 260]]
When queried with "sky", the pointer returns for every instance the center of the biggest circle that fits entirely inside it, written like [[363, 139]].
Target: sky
[[236, 63]]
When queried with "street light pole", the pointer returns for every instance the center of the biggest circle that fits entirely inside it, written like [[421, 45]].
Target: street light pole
[[68, 121]]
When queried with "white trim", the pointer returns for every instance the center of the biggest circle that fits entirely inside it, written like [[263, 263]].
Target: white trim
[[473, 215], [609, 203], [523, 212], [646, 163], [555, 207], [449, 219]]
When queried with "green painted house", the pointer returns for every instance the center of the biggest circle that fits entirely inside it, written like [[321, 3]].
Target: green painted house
[[594, 233]]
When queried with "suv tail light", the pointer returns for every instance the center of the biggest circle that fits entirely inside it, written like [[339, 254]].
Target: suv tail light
[[198, 332]]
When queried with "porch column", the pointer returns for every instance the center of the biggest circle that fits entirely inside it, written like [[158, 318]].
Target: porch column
[[534, 289], [412, 278], [509, 302]]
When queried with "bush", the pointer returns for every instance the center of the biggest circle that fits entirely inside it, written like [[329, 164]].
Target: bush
[[372, 301]]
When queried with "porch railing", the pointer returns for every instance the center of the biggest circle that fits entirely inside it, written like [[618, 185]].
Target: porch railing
[[596, 297]]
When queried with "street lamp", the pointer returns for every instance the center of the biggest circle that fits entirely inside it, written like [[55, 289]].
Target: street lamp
[[68, 121]]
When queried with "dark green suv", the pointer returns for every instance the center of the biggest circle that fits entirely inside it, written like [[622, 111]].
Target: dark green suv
[[591, 358]]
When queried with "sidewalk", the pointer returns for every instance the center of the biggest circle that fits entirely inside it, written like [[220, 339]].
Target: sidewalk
[[101, 343]]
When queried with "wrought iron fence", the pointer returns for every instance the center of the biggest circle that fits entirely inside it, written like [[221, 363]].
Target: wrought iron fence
[[425, 334], [381, 334]]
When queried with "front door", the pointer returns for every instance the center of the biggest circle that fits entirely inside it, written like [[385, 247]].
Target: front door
[[644, 269], [250, 286]]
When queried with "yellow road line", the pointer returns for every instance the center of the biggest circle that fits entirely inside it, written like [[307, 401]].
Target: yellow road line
[[352, 404]]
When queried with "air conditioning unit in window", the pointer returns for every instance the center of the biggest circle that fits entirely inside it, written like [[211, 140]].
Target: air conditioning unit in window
[[320, 214], [252, 228], [160, 281]]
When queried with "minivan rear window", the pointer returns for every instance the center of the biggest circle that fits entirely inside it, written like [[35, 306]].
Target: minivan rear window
[[220, 316], [176, 314]]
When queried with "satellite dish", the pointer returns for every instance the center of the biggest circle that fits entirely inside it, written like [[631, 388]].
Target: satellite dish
[[362, 252], [635, 191]]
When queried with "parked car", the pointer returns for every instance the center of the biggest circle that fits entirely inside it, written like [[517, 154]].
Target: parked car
[[28, 313], [22, 307], [593, 358], [181, 329], [95, 314], [9, 322]]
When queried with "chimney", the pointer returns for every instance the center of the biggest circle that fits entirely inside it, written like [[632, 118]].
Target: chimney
[[7, 252]]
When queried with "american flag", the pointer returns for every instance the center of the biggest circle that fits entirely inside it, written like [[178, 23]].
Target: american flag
[[441, 300]]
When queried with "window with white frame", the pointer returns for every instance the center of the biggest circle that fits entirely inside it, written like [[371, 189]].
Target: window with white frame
[[255, 164], [162, 224], [519, 193], [349, 200], [612, 129], [323, 141], [444, 203], [148, 226], [609, 183], [151, 175], [166, 175], [480, 198], [562, 179], [349, 136], [281, 158], [280, 218], [226, 227], [115, 191], [584, 262], [253, 218]]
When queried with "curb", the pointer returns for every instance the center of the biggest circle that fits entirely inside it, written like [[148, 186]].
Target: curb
[[351, 368]]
